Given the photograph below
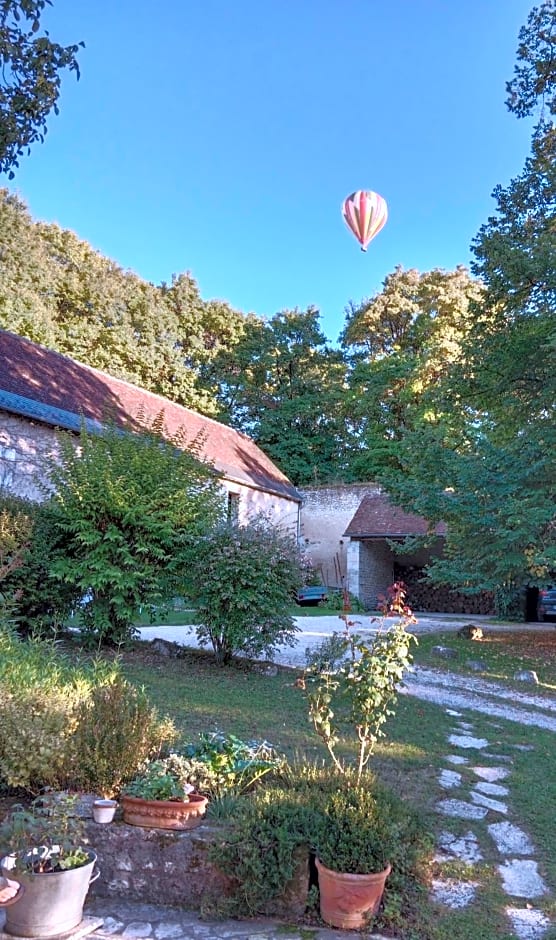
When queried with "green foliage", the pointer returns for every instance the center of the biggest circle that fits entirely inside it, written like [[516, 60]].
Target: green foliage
[[353, 682], [16, 523], [69, 723], [41, 601], [164, 779], [282, 384], [363, 828], [117, 729], [401, 343], [234, 765], [274, 830], [242, 580], [47, 836], [57, 290], [30, 78], [130, 508]]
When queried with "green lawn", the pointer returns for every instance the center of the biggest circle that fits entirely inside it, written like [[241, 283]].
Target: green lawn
[[203, 697]]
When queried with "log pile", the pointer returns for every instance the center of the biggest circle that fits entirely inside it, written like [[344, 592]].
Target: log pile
[[440, 599]]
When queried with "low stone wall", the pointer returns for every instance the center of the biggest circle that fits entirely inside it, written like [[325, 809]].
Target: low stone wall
[[156, 866], [159, 866]]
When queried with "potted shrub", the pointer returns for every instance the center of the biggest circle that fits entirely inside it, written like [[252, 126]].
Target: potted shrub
[[354, 847], [45, 853], [162, 797]]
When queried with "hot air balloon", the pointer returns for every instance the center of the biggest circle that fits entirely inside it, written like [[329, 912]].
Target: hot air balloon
[[365, 213]]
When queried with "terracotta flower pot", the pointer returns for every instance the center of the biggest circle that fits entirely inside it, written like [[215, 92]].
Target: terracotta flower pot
[[164, 814], [347, 901]]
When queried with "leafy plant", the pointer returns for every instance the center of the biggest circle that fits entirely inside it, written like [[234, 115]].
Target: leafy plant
[[235, 765], [357, 831], [47, 836], [242, 579], [351, 681], [70, 722], [163, 779]]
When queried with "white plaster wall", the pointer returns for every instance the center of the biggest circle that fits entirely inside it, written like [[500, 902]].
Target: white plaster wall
[[325, 515]]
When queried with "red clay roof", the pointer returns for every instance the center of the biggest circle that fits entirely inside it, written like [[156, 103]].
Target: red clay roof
[[55, 381], [376, 517]]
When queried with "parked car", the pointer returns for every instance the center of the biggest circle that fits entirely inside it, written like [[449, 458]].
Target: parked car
[[312, 595], [547, 604]]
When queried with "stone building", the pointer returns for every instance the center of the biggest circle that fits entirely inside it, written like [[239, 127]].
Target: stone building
[[42, 392], [327, 511]]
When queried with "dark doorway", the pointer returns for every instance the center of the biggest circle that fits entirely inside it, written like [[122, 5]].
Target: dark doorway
[[532, 605]]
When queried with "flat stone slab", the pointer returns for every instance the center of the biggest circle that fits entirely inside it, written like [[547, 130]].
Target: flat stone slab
[[454, 894], [454, 714], [460, 809], [86, 927], [456, 759], [521, 879], [491, 773], [465, 847], [527, 923], [465, 725], [449, 779], [491, 789], [467, 740], [510, 840], [495, 805]]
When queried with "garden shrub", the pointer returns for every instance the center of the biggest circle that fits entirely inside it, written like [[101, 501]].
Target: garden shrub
[[261, 845], [64, 723], [130, 508], [242, 579], [117, 729]]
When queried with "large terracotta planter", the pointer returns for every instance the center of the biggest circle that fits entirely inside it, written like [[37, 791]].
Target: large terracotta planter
[[347, 901], [164, 814]]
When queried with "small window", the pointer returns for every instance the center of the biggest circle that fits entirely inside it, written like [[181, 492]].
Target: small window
[[233, 508]]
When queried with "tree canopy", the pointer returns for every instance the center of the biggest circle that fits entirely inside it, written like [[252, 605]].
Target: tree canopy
[[30, 79]]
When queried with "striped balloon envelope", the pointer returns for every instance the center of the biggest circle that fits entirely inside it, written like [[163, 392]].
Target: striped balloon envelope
[[365, 213]]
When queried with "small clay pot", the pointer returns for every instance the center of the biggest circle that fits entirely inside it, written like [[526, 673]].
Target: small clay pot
[[104, 810]]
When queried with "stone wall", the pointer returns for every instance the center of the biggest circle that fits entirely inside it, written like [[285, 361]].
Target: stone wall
[[376, 570], [325, 515], [24, 445]]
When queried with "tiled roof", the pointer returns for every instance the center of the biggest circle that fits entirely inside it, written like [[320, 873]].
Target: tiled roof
[[376, 517], [48, 387]]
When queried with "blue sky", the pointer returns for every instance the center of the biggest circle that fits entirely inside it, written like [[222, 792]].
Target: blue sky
[[221, 136]]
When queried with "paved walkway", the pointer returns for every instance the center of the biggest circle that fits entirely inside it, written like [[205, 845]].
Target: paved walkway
[[134, 921]]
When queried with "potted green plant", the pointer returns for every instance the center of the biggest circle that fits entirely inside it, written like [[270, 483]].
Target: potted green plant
[[354, 848], [161, 796], [44, 851]]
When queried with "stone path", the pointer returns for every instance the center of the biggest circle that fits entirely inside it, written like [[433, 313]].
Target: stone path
[[480, 791]]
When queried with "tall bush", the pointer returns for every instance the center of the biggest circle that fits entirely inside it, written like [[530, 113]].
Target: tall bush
[[130, 508], [242, 579]]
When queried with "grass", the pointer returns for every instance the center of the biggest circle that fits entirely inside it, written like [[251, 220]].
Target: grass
[[201, 696]]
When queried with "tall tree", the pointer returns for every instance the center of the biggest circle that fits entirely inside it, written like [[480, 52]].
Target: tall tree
[[401, 343], [30, 67], [284, 385], [57, 290], [485, 460]]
